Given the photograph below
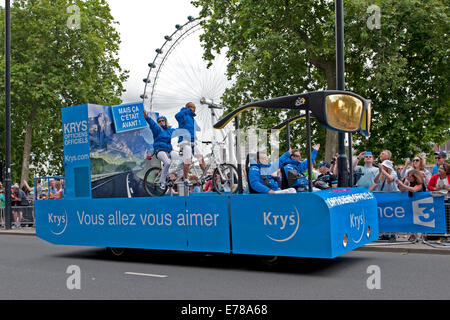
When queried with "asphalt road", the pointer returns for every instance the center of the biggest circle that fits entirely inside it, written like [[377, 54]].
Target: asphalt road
[[31, 268]]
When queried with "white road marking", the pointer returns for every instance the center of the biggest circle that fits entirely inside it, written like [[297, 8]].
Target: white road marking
[[147, 274], [128, 187], [107, 181]]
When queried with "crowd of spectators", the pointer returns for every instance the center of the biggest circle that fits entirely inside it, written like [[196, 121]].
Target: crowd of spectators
[[378, 174], [22, 198]]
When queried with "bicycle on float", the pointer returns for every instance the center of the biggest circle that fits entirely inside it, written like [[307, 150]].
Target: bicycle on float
[[224, 176]]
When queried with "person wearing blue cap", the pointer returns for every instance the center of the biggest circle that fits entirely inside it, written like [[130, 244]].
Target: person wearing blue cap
[[365, 175], [162, 135], [326, 176], [440, 158]]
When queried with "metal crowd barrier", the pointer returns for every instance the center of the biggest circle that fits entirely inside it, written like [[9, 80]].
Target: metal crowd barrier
[[424, 235], [446, 234], [27, 213]]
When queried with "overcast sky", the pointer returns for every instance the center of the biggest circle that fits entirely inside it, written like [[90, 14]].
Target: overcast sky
[[143, 25]]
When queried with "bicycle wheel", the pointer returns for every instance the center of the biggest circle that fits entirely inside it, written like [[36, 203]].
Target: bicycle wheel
[[225, 179], [152, 183]]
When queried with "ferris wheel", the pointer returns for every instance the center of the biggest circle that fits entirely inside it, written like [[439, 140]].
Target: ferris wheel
[[178, 75]]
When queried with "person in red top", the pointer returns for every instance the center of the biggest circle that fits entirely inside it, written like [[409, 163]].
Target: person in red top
[[441, 180]]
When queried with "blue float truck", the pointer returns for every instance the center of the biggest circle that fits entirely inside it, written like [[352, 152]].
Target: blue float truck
[[103, 205]]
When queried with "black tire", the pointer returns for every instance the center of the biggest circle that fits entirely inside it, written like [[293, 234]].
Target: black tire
[[152, 184], [270, 261], [117, 253], [230, 179]]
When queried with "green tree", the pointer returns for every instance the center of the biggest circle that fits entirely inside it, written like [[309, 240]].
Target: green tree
[[60, 56], [282, 47]]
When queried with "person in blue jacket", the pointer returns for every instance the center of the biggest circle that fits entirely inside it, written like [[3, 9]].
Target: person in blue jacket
[[294, 163], [260, 174], [162, 135], [187, 141]]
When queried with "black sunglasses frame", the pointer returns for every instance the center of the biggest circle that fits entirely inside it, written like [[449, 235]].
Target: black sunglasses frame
[[313, 101]]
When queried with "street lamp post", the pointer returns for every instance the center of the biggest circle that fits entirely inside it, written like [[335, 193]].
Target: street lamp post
[[7, 115], [340, 84]]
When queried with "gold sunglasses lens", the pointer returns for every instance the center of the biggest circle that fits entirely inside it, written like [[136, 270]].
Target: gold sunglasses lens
[[343, 112]]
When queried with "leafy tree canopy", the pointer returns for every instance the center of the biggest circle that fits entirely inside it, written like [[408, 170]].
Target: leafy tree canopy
[[283, 47], [60, 56]]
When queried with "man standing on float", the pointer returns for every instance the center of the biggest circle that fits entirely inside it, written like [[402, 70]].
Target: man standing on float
[[188, 146]]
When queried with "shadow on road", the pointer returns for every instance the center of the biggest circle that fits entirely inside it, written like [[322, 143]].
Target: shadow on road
[[309, 266]]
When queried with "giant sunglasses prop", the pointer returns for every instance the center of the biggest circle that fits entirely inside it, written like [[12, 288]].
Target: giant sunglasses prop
[[336, 110], [365, 124]]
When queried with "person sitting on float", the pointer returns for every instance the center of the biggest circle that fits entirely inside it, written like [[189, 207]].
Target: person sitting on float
[[162, 135], [260, 174], [294, 168]]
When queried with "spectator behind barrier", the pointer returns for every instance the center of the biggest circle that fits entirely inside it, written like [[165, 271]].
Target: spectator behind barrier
[[18, 199], [196, 186], [441, 181], [2, 202], [52, 189], [326, 178], [58, 192], [208, 187], [38, 188], [415, 182], [385, 155], [398, 169], [418, 164], [440, 158], [260, 174], [365, 175], [386, 178]]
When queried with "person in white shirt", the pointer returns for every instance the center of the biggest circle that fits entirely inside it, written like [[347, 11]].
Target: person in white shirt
[[386, 178]]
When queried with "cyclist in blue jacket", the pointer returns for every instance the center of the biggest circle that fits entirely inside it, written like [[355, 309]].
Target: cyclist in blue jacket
[[188, 146], [162, 135], [260, 174]]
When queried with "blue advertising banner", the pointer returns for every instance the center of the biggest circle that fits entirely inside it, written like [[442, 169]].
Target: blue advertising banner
[[128, 117], [76, 150], [421, 212], [166, 223], [118, 160], [298, 225], [322, 224]]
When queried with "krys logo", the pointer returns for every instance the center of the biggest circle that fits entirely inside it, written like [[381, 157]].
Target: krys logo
[[57, 222], [357, 226], [281, 227]]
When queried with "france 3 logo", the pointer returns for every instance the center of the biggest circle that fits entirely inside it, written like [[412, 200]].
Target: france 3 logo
[[423, 212]]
